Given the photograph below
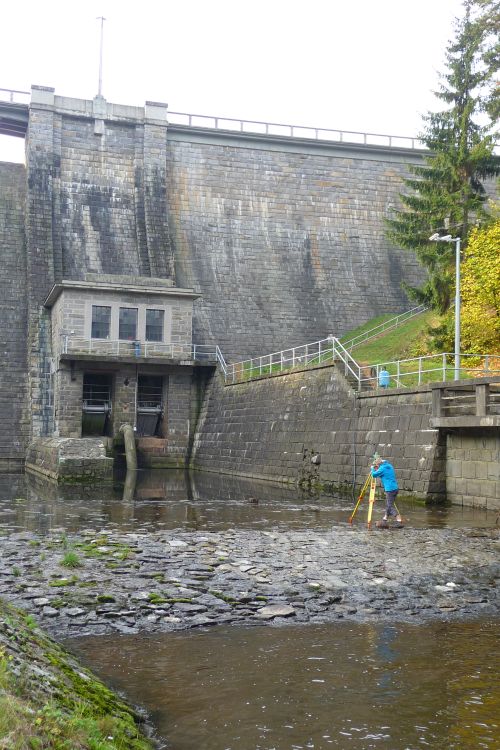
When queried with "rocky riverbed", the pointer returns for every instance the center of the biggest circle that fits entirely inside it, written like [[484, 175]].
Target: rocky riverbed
[[96, 582]]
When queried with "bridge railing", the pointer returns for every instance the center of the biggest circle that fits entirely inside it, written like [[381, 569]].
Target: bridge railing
[[14, 96], [259, 127]]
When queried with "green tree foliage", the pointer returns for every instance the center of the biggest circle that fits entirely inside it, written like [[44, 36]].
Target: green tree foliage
[[447, 190]]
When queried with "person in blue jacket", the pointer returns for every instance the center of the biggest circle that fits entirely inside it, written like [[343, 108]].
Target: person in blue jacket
[[385, 471]]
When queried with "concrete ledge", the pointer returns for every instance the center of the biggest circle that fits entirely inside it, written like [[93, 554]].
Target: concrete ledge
[[466, 421], [70, 460]]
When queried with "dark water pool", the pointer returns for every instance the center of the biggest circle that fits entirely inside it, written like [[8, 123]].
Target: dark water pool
[[391, 687], [155, 500]]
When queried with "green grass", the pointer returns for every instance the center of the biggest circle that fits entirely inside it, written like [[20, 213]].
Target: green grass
[[71, 560], [49, 702], [365, 327], [399, 343]]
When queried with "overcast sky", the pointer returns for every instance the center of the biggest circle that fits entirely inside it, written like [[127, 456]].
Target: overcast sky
[[365, 65]]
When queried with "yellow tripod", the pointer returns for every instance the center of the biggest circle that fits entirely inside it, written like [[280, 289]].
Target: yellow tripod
[[372, 483]]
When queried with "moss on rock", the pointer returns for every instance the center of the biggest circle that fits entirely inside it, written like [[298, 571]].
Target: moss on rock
[[47, 700]]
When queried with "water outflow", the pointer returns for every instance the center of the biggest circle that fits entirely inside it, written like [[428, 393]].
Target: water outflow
[[130, 449]]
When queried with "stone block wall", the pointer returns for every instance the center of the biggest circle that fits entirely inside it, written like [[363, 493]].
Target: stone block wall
[[14, 412], [69, 460], [473, 468], [271, 428], [286, 244]]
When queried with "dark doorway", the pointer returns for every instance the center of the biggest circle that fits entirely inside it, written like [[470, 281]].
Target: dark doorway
[[149, 404], [96, 406]]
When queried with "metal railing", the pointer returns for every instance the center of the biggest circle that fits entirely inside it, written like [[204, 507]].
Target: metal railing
[[402, 373], [387, 325], [405, 373], [294, 131], [115, 348], [261, 127], [13, 96], [315, 353]]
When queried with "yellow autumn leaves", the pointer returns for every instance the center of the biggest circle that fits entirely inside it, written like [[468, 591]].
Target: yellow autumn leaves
[[480, 291]]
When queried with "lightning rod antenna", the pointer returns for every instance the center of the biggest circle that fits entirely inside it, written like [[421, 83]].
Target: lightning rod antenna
[[101, 19]]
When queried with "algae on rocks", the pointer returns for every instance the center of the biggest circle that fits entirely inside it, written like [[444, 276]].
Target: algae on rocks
[[47, 700]]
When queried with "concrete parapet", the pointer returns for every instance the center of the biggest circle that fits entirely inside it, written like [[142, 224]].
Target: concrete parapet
[[70, 460]]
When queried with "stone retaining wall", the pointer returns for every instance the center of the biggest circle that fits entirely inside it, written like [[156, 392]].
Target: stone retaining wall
[[272, 428], [473, 468]]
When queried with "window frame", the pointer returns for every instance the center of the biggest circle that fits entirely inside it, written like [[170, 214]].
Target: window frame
[[162, 332], [110, 313], [128, 308]]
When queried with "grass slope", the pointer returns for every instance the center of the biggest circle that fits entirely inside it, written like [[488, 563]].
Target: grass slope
[[48, 701], [408, 340]]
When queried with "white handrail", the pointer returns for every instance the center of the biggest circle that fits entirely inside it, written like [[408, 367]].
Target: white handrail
[[387, 325]]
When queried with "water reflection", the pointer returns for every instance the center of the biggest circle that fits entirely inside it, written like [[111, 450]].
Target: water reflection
[[344, 686], [152, 500]]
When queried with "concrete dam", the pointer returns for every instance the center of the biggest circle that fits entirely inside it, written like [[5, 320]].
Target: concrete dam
[[129, 243]]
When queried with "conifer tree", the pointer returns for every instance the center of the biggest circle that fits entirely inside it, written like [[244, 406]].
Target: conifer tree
[[447, 190]]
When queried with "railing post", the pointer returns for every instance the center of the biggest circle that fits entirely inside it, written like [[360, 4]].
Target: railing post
[[419, 370], [482, 399], [444, 366], [398, 373], [293, 357]]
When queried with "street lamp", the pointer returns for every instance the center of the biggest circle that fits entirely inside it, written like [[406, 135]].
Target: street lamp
[[448, 238]]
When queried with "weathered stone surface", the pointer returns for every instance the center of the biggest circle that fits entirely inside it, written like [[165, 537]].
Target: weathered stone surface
[[275, 610], [430, 573]]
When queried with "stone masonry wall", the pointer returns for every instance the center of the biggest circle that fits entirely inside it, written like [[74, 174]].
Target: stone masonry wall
[[271, 428], [473, 468], [14, 422], [285, 246]]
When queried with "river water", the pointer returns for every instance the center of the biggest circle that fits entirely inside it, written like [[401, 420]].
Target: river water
[[156, 500], [343, 686]]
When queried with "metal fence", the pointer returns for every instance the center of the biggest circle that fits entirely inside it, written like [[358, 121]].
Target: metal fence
[[108, 347], [315, 353], [387, 325], [403, 373], [14, 96], [259, 127]]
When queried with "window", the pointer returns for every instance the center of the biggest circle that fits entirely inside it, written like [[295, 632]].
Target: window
[[154, 325], [101, 318], [128, 324]]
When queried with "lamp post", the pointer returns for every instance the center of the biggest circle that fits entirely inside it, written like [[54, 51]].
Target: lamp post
[[448, 238]]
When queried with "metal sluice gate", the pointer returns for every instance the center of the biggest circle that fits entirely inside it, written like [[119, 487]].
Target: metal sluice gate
[[149, 404], [96, 405]]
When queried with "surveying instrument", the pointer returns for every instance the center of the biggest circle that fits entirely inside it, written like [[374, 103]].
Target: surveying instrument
[[372, 483]]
